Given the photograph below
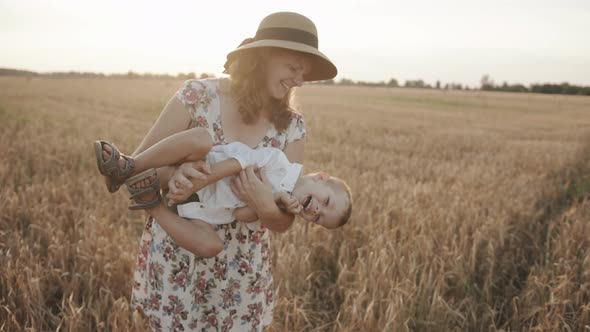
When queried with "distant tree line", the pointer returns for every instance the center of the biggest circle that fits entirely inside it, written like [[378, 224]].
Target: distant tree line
[[565, 88], [487, 84], [129, 74], [393, 83]]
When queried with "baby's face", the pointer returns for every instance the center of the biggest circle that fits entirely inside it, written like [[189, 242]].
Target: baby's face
[[323, 201]]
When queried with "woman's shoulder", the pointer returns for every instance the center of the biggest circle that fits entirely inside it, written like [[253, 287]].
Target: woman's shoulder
[[214, 83], [199, 91], [296, 128], [296, 116], [296, 119]]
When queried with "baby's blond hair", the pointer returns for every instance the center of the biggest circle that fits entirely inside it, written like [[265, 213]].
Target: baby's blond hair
[[346, 188]]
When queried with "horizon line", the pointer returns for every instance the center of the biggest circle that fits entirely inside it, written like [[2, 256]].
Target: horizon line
[[340, 79]]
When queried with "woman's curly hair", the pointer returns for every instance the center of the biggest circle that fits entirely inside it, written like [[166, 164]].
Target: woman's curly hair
[[248, 75]]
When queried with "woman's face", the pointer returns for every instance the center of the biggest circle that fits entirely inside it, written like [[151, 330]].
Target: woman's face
[[285, 70]]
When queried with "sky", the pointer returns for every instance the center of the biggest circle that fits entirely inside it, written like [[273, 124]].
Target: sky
[[522, 41]]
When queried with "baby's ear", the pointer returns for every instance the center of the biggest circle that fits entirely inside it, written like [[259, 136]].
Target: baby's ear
[[322, 176]]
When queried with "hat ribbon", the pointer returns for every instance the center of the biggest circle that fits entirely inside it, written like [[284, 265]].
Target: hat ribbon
[[287, 34]]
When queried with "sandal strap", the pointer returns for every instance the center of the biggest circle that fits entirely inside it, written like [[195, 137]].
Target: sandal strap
[[129, 166], [143, 191], [141, 205], [111, 168], [105, 166], [115, 154], [121, 174], [154, 186]]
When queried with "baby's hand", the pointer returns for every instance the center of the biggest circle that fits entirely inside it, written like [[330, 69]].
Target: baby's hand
[[289, 203], [187, 179]]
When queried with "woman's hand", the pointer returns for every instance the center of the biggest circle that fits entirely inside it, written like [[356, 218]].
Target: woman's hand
[[253, 191], [187, 179]]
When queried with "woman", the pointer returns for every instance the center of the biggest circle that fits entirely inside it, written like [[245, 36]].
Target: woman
[[233, 290]]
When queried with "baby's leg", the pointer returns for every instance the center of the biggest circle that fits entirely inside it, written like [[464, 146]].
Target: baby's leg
[[189, 145]]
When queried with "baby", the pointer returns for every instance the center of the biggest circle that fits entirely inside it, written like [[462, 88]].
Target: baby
[[316, 197]]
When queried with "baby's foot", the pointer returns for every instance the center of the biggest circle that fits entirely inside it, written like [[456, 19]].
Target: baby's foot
[[106, 154], [148, 196], [115, 166]]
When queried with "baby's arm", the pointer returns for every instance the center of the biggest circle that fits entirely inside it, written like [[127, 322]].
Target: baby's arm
[[219, 170]]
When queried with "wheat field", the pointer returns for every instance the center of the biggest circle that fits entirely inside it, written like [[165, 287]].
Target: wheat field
[[471, 210]]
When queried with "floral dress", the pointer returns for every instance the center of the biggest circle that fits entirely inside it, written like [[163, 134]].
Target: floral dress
[[232, 291]]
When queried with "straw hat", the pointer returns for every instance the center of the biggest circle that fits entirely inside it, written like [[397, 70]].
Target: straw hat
[[294, 32]]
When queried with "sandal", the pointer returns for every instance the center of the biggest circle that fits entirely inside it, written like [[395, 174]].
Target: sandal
[[110, 167], [153, 187]]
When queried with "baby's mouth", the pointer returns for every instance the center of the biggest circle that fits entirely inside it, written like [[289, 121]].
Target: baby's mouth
[[306, 202]]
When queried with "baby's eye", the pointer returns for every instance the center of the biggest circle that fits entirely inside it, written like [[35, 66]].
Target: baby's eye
[[327, 202]]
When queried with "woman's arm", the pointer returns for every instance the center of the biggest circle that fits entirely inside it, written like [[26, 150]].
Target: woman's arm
[[278, 220], [245, 214], [295, 151], [193, 235], [173, 119]]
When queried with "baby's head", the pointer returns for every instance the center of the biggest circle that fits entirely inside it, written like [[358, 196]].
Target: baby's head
[[325, 200]]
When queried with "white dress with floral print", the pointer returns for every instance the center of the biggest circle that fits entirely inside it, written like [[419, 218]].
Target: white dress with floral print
[[233, 291]]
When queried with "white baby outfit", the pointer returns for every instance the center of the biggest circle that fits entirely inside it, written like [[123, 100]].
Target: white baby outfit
[[218, 202]]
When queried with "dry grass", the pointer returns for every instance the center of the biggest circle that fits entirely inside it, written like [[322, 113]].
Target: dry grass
[[470, 212]]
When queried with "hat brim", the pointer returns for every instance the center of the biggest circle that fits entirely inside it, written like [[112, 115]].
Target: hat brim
[[322, 67]]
